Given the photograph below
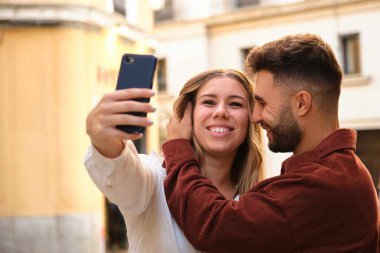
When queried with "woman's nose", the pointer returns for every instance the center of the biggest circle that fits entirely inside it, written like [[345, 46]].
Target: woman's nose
[[221, 111]]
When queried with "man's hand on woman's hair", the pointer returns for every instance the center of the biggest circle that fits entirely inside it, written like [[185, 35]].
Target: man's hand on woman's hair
[[180, 128]]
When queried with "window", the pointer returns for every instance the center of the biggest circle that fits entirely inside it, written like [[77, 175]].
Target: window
[[161, 75], [351, 53], [245, 3], [119, 6], [166, 13]]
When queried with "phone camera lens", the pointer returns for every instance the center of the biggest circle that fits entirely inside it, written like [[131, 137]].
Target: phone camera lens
[[129, 59]]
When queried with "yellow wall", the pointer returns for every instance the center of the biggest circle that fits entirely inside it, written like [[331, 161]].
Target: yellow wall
[[50, 79]]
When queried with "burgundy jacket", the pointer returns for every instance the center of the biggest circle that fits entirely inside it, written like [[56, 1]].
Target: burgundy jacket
[[323, 201]]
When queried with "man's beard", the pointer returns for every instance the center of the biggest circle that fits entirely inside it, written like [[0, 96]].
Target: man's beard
[[286, 133]]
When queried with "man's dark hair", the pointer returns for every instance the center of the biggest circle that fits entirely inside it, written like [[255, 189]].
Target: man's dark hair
[[300, 62]]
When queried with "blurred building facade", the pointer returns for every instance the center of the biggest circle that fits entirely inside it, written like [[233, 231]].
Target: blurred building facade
[[196, 35], [57, 58]]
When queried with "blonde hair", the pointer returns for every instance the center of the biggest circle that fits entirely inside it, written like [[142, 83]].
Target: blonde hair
[[247, 167]]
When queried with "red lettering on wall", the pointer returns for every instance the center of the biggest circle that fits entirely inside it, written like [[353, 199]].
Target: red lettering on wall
[[105, 76]]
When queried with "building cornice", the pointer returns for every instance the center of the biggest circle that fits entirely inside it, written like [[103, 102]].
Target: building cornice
[[12, 15], [268, 14], [261, 15]]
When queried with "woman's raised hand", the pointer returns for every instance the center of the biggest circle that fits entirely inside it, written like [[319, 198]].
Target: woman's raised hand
[[111, 111]]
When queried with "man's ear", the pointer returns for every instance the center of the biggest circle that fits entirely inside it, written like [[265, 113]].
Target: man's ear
[[302, 101]]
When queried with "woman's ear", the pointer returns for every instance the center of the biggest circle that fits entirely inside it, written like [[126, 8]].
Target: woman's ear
[[302, 100]]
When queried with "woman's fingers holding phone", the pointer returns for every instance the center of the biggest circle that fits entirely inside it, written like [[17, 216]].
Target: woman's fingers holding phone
[[122, 102], [109, 112], [129, 119], [132, 93], [104, 135], [131, 106]]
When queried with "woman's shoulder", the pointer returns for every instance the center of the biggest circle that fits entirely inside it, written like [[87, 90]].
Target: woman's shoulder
[[153, 161], [153, 157]]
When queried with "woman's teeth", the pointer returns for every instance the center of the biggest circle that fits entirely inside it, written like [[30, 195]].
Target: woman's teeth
[[219, 129]]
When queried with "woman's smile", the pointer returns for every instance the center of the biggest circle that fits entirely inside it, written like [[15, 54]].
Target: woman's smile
[[220, 131]]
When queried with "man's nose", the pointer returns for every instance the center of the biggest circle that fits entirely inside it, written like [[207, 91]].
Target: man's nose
[[256, 116]]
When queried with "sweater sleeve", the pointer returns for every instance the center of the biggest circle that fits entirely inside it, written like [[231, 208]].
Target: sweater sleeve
[[126, 180], [256, 222]]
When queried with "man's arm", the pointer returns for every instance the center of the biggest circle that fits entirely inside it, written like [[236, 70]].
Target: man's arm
[[256, 222]]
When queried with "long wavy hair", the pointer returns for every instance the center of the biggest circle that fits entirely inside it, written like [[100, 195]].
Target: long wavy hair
[[247, 167]]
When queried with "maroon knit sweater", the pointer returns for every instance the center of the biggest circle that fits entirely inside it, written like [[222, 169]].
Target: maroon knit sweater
[[323, 201]]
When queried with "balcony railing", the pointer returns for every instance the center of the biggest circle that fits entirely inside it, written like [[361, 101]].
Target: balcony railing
[[246, 3], [164, 14]]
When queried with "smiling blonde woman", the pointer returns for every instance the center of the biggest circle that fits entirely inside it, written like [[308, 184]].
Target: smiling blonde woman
[[227, 144]]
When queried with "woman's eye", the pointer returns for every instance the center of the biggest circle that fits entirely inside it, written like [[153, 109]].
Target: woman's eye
[[208, 102], [236, 104]]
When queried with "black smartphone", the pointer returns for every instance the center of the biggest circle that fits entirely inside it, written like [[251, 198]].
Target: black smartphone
[[136, 71]]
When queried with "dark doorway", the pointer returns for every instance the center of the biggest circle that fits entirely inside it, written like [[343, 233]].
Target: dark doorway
[[116, 230], [368, 149]]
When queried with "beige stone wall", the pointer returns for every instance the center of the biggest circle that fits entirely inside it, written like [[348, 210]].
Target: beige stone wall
[[51, 76], [49, 80]]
